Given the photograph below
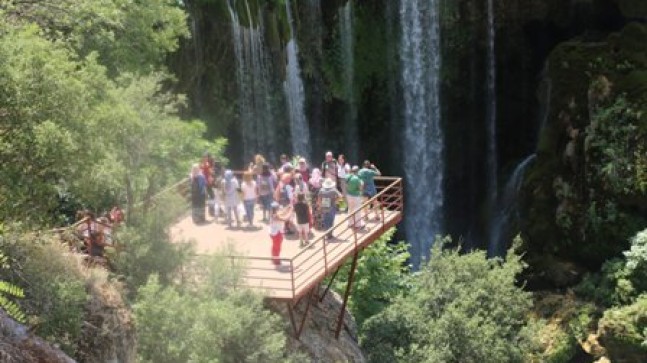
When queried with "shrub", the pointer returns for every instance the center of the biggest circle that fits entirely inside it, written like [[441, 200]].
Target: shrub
[[381, 276], [461, 308], [623, 331], [147, 245], [177, 326], [54, 288]]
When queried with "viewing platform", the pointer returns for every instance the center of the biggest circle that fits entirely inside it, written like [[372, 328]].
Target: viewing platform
[[302, 268]]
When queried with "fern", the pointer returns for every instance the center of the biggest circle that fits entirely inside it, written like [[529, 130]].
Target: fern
[[8, 289]]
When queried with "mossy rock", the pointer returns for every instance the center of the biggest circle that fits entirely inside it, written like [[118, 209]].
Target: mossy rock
[[572, 67]]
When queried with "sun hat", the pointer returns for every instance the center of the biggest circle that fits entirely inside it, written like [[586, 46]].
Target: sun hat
[[328, 184]]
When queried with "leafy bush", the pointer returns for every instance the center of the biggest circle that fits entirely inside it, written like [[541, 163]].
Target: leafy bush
[[461, 308], [203, 324], [623, 330], [381, 276], [54, 289], [147, 245], [636, 267]]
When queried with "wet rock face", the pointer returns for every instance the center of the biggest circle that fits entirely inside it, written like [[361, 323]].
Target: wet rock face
[[574, 208], [317, 340]]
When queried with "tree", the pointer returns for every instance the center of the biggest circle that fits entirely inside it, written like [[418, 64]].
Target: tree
[[200, 326], [128, 36], [461, 308], [381, 276]]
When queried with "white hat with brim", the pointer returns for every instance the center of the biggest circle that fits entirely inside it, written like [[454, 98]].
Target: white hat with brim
[[328, 184]]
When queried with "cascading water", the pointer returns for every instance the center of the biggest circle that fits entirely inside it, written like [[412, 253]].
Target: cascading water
[[507, 210], [295, 95], [506, 214], [420, 56], [491, 107], [255, 86], [346, 33]]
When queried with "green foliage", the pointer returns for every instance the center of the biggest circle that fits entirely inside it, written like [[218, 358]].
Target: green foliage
[[130, 36], [620, 281], [601, 287], [636, 267], [8, 290], [624, 329], [54, 291], [215, 328], [611, 145], [68, 130], [380, 277], [461, 308], [148, 245]]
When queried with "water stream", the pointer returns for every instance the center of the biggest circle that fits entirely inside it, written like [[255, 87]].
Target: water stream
[[420, 56]]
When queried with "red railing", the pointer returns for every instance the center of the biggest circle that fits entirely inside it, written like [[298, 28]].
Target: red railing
[[313, 263]]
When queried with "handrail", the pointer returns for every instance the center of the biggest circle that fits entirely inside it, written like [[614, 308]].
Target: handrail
[[304, 265]]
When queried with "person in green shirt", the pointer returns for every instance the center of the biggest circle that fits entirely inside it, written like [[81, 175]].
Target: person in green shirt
[[354, 188], [368, 174]]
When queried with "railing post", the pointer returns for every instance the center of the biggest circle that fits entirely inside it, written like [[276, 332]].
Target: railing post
[[292, 277], [325, 251], [354, 227]]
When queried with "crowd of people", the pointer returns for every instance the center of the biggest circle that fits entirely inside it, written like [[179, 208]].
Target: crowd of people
[[292, 196]]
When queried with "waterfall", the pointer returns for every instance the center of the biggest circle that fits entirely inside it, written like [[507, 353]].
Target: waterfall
[[507, 210], [491, 107], [346, 33], [295, 95], [253, 77], [423, 137]]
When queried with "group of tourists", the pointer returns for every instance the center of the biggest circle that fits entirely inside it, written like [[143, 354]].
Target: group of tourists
[[293, 197]]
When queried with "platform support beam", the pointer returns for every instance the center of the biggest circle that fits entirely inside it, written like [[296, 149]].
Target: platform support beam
[[349, 285], [332, 279], [291, 309]]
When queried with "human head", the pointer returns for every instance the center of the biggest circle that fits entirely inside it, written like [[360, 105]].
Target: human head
[[284, 158], [329, 156], [195, 170], [302, 163], [354, 169], [341, 159], [367, 164], [301, 197], [275, 206], [229, 175], [259, 159], [316, 173], [247, 177]]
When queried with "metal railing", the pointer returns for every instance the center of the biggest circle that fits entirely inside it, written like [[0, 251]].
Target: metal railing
[[322, 257]]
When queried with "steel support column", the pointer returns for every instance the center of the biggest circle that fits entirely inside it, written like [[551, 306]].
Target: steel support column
[[351, 276]]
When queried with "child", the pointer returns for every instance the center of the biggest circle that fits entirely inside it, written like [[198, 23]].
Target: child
[[302, 211], [277, 220]]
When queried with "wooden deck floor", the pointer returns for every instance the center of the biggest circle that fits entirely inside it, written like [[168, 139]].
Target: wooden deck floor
[[302, 267]]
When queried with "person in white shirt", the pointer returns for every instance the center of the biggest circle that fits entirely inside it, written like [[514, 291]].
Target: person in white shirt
[[250, 194], [343, 169]]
